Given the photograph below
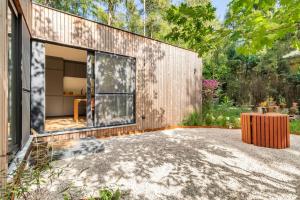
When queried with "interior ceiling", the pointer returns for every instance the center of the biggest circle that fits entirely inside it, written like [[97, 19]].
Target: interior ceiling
[[66, 53]]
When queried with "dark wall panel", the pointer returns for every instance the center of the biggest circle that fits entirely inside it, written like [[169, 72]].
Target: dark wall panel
[[25, 117], [25, 67], [89, 86]]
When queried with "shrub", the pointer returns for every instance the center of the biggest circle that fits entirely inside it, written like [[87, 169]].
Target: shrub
[[109, 194], [224, 115], [193, 119], [209, 119], [221, 121], [295, 126]]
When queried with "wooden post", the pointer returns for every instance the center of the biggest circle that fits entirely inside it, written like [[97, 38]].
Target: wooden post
[[3, 90]]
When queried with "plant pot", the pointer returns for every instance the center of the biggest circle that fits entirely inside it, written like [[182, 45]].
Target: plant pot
[[295, 104], [282, 105]]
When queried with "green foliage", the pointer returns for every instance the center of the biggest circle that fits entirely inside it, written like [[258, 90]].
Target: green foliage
[[30, 183], [223, 115], [156, 24], [25, 180], [240, 75], [192, 25], [109, 194], [66, 196], [133, 18], [295, 126], [126, 14], [78, 7], [193, 119], [257, 25]]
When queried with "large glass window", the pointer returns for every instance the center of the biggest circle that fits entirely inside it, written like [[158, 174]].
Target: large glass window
[[13, 140], [114, 89]]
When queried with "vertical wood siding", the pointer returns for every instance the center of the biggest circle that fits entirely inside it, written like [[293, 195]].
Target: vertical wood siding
[[25, 8], [167, 87], [3, 89]]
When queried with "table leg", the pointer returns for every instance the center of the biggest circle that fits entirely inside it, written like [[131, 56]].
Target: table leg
[[75, 110]]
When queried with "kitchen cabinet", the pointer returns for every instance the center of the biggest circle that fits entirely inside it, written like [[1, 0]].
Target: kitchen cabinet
[[54, 63], [54, 82], [75, 69], [54, 106]]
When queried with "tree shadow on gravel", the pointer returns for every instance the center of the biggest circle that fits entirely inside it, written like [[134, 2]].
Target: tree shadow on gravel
[[140, 157]]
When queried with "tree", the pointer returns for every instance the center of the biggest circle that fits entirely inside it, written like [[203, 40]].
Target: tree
[[133, 20], [78, 7], [107, 15], [193, 25], [258, 24], [156, 25]]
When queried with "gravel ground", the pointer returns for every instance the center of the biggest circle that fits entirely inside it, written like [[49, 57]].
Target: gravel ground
[[179, 164]]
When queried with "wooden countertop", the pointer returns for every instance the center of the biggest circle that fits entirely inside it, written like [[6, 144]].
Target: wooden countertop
[[74, 95]]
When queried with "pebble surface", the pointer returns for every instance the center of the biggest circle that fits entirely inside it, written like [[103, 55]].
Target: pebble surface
[[181, 164]]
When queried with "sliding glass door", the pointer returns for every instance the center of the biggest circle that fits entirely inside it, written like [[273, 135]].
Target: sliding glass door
[[114, 89]]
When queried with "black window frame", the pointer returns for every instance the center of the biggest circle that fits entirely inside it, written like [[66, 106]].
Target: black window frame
[[133, 93]]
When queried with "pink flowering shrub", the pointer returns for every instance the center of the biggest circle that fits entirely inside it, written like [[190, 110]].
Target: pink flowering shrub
[[209, 87], [210, 84], [209, 91]]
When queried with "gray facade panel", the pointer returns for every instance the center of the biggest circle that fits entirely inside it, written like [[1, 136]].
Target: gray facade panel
[[25, 67], [38, 86]]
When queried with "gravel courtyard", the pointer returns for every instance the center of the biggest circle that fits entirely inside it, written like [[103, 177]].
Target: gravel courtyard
[[180, 164]]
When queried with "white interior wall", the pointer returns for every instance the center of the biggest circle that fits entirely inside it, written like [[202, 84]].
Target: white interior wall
[[66, 53]]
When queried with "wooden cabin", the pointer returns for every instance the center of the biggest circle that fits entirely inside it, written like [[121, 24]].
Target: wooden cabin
[[69, 77]]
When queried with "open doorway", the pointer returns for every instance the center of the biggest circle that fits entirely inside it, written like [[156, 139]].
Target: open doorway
[[65, 88]]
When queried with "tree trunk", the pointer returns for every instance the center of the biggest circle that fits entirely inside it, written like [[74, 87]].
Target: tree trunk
[[110, 12]]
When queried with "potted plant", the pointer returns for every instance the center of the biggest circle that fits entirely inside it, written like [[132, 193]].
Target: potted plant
[[294, 110], [271, 101], [294, 104], [263, 104], [282, 102]]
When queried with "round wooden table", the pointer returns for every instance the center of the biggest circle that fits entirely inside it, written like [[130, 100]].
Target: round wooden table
[[266, 130]]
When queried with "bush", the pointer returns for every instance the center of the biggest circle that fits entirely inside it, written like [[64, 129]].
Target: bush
[[223, 115], [221, 121], [295, 126], [109, 194], [193, 119]]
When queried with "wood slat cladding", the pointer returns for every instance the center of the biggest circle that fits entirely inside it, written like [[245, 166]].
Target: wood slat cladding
[[266, 130], [3, 89], [168, 78], [25, 9]]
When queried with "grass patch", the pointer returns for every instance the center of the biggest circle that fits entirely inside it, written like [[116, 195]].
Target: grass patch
[[295, 127]]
